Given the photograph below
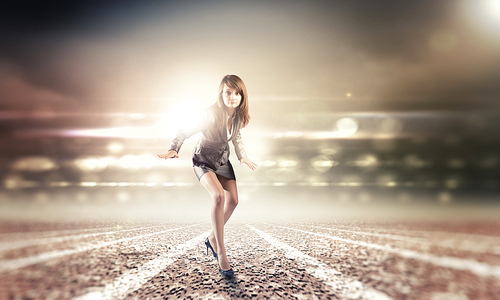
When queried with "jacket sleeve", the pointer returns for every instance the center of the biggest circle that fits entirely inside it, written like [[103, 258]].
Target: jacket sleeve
[[184, 133], [239, 149]]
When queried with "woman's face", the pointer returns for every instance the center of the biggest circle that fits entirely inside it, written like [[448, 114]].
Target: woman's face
[[231, 97]]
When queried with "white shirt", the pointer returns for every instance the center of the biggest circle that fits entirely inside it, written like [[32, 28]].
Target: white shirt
[[229, 119]]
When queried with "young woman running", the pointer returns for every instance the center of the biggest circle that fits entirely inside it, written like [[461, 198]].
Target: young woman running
[[219, 125]]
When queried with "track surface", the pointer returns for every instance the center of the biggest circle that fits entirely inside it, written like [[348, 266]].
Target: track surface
[[271, 260]]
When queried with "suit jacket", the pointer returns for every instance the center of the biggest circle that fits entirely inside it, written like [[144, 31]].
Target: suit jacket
[[212, 149]]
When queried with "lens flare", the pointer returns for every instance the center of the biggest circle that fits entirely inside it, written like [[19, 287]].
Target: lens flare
[[347, 126]]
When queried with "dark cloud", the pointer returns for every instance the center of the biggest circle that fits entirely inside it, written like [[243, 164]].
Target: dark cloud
[[109, 54]]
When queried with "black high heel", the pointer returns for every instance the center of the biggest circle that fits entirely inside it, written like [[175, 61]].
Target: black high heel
[[228, 273], [207, 243]]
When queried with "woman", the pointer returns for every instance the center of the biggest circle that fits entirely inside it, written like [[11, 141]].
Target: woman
[[220, 124]]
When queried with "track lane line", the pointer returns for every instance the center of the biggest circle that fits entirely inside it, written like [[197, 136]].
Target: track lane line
[[50, 233], [5, 246], [425, 234], [9, 265], [447, 243], [136, 278], [478, 268], [338, 282]]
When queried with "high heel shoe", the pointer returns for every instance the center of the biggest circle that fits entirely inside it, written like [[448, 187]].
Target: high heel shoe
[[228, 273], [207, 243]]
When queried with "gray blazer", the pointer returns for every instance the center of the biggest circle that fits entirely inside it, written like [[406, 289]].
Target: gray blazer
[[212, 149]]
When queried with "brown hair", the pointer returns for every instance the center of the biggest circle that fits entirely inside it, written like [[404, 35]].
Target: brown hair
[[236, 83]]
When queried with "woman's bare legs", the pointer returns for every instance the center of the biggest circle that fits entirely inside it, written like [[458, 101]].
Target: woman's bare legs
[[225, 199], [231, 201]]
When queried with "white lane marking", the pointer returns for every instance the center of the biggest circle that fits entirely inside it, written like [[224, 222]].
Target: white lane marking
[[434, 234], [457, 240], [5, 246], [134, 279], [14, 264], [339, 283], [388, 236], [21, 235], [465, 245], [478, 268]]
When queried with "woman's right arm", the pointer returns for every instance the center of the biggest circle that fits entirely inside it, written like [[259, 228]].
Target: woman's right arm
[[170, 154]]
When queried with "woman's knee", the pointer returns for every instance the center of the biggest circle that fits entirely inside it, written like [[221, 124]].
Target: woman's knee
[[233, 200], [218, 198]]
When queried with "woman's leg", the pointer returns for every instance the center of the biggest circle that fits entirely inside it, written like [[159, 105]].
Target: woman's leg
[[212, 184], [231, 201]]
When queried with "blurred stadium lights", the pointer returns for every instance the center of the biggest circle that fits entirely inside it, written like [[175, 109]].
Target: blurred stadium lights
[[91, 163], [329, 151], [59, 184], [115, 147], [415, 162], [445, 197], [130, 163], [286, 163], [320, 183], [419, 155], [34, 164], [323, 163], [386, 179], [364, 161], [457, 163], [347, 126], [12, 182]]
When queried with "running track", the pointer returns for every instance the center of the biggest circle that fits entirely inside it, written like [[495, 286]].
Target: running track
[[272, 260]]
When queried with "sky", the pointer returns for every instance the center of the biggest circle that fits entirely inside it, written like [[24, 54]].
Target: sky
[[144, 56]]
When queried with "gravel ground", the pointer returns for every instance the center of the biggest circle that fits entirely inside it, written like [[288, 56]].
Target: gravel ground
[[271, 260]]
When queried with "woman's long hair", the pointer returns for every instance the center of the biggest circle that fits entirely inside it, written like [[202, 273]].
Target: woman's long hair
[[236, 83]]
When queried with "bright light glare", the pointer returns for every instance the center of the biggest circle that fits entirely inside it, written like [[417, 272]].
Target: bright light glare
[[136, 116], [486, 13], [347, 126], [135, 163], [294, 134], [91, 163], [115, 147], [119, 132], [130, 162], [493, 7], [182, 116], [147, 161]]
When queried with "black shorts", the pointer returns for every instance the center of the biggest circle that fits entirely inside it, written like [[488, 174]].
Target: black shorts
[[225, 170]]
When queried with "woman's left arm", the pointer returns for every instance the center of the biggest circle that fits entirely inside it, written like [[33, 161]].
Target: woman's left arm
[[241, 153]]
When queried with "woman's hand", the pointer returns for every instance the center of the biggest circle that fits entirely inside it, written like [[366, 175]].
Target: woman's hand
[[170, 154], [249, 163]]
